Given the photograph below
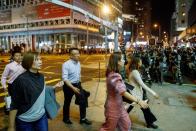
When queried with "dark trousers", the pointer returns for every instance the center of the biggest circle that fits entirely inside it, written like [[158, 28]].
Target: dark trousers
[[148, 115], [68, 94], [39, 125], [9, 89]]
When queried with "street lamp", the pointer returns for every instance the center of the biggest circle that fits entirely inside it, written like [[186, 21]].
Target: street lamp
[[159, 27], [106, 9], [141, 33]]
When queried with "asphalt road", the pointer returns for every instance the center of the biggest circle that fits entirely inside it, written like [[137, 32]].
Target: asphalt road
[[93, 67]]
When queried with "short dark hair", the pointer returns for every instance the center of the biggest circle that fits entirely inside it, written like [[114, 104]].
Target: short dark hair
[[16, 49], [28, 59], [71, 49]]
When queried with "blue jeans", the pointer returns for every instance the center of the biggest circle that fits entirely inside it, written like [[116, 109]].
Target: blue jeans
[[39, 125]]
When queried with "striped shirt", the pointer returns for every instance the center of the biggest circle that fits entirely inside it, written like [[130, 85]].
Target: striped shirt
[[11, 72]]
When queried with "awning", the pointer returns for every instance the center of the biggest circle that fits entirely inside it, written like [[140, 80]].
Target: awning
[[188, 32]]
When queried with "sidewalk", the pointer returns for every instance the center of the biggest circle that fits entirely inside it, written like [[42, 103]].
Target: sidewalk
[[175, 110]]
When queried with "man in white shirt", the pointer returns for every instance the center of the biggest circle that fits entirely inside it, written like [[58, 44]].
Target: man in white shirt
[[71, 72], [12, 70]]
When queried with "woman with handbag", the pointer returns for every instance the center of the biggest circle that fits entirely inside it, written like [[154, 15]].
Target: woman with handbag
[[135, 80], [27, 111], [115, 113]]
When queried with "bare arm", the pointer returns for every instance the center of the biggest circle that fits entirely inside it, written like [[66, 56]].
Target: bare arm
[[132, 98], [12, 117], [139, 80]]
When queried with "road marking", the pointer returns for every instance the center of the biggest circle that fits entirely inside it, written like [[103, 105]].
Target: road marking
[[85, 59], [59, 63], [179, 85], [47, 72], [51, 81], [2, 105], [189, 85], [3, 94], [48, 67]]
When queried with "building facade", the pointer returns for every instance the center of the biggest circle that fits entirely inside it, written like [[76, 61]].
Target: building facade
[[37, 24], [182, 9], [182, 22], [140, 23]]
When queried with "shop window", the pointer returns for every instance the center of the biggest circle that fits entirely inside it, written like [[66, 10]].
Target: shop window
[[182, 21], [62, 21], [56, 22], [183, 4], [46, 23], [67, 21], [51, 22]]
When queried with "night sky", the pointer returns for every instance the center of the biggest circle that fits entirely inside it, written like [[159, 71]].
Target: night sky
[[161, 12]]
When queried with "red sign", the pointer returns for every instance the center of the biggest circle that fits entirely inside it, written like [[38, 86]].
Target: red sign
[[50, 10]]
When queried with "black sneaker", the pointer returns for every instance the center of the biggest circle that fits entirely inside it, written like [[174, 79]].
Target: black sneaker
[[67, 122], [85, 121], [152, 126]]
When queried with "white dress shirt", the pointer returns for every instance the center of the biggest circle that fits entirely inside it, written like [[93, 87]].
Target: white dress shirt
[[71, 71]]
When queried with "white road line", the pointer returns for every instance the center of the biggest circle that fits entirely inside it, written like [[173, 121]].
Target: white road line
[[85, 59], [47, 72], [51, 81], [48, 67], [2, 105]]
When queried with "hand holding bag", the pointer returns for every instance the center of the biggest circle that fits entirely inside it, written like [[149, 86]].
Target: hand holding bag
[[7, 102]]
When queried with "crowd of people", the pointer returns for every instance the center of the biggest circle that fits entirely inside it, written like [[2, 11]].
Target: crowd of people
[[177, 62], [26, 86]]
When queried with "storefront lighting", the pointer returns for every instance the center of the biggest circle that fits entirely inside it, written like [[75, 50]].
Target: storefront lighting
[[106, 9]]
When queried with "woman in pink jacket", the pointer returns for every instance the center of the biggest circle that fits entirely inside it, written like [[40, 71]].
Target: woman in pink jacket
[[115, 113]]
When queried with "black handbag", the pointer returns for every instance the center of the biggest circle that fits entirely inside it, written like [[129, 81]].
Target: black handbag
[[129, 88]]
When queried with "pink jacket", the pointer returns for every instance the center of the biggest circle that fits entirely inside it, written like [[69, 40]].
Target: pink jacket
[[114, 103]]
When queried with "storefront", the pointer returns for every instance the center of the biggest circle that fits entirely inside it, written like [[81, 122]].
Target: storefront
[[188, 36]]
